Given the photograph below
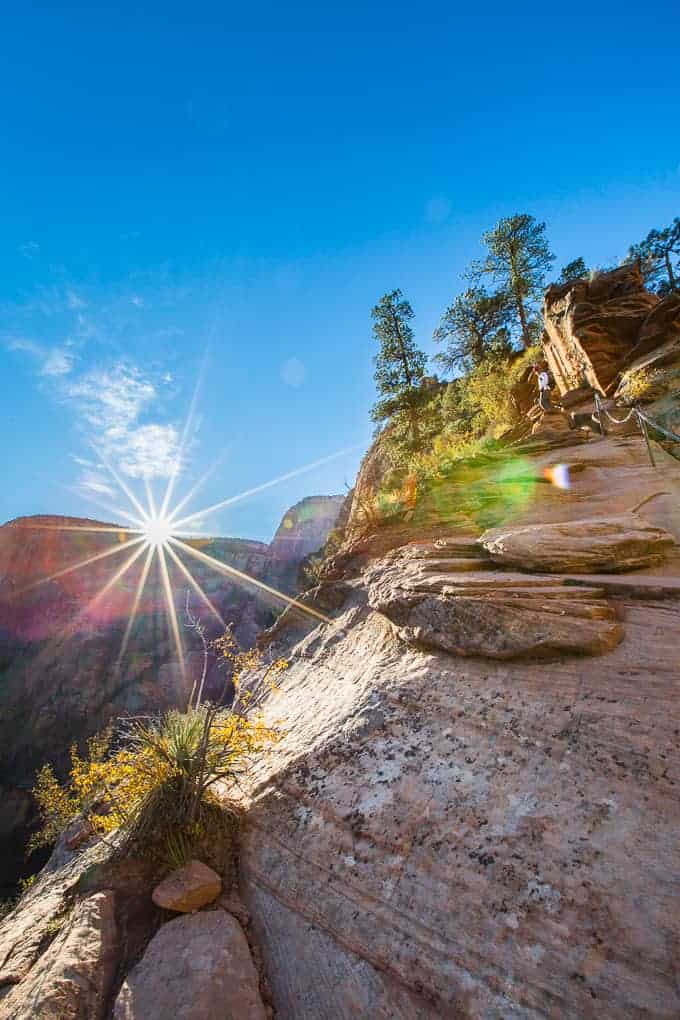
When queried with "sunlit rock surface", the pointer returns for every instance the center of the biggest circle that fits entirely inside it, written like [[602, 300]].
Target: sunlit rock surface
[[600, 544], [446, 836], [592, 326], [73, 977]]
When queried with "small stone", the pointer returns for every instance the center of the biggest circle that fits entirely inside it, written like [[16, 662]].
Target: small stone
[[188, 888]]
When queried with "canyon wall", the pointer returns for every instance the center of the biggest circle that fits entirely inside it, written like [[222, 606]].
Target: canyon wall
[[471, 812]]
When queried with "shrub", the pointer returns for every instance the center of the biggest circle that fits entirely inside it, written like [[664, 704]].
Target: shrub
[[156, 783], [637, 386], [473, 411]]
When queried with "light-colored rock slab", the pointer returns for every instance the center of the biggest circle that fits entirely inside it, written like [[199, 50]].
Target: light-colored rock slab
[[496, 630], [595, 545], [188, 888], [72, 979], [195, 968]]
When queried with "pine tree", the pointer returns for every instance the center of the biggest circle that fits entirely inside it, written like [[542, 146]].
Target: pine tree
[[399, 365], [475, 325], [574, 270], [517, 260], [659, 257]]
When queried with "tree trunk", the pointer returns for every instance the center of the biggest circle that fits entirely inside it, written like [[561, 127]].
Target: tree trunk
[[478, 351], [669, 270], [521, 312], [415, 431], [526, 339]]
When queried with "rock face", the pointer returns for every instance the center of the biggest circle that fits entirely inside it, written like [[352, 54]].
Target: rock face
[[494, 629], [59, 674], [85, 918], [596, 545], [73, 978], [437, 836], [304, 528], [195, 968], [661, 326], [188, 888], [591, 327]]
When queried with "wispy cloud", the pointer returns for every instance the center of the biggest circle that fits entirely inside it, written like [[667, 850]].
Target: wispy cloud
[[52, 361], [84, 346], [96, 482], [112, 404], [57, 362]]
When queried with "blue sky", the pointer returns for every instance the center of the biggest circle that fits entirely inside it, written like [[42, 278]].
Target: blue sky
[[227, 190]]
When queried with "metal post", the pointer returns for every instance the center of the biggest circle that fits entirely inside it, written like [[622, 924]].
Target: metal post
[[600, 416], [643, 426]]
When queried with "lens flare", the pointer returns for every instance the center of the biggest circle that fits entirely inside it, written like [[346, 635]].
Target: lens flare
[[558, 475]]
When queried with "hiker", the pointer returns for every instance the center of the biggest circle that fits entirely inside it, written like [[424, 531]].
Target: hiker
[[543, 388]]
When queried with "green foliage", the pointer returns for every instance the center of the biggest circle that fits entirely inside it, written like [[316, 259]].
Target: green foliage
[[659, 258], [312, 570], [399, 365], [517, 259], [574, 270], [475, 325], [398, 445], [472, 412]]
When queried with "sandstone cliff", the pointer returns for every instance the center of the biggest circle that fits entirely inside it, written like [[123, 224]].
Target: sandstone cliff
[[302, 531], [443, 834], [594, 328]]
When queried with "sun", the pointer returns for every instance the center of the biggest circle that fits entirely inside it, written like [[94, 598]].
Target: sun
[[155, 534], [157, 531]]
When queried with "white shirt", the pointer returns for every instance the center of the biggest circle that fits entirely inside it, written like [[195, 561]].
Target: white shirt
[[543, 381]]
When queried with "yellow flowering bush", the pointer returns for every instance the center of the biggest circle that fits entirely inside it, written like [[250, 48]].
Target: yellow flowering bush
[[155, 782]]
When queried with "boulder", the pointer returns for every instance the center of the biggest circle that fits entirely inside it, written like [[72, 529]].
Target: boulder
[[591, 326], [188, 888], [497, 630], [72, 979], [195, 968], [597, 545]]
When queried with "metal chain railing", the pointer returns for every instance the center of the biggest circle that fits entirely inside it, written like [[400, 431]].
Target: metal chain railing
[[643, 421]]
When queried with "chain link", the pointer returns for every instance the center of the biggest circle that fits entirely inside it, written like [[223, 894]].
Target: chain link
[[599, 409]]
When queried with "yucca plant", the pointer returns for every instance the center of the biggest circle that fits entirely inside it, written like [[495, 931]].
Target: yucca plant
[[156, 780]]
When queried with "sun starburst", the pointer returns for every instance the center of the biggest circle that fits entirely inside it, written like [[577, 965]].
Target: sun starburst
[[157, 531]]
